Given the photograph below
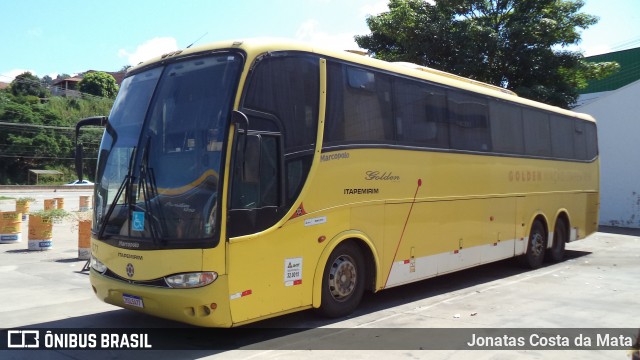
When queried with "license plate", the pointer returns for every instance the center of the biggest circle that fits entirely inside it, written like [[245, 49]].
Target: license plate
[[133, 300]]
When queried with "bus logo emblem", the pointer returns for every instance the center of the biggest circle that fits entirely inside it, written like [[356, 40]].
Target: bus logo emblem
[[130, 270]]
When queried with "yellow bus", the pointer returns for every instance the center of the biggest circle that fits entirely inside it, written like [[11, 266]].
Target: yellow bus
[[244, 180]]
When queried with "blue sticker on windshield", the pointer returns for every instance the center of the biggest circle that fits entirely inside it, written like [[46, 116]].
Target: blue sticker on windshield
[[137, 223]]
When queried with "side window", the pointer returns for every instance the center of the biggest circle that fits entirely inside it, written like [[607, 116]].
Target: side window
[[256, 174], [591, 140], [420, 114], [287, 86], [359, 103], [468, 122], [562, 133], [537, 139], [256, 191], [282, 96], [297, 167], [579, 140], [506, 127], [585, 141]]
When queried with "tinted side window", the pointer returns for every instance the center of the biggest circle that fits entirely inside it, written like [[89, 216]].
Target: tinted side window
[[420, 114], [256, 178], [506, 128], [469, 122], [591, 140], [359, 103], [562, 132], [285, 86], [288, 87], [537, 140], [296, 167], [579, 139]]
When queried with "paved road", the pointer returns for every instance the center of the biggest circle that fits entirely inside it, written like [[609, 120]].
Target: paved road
[[71, 196], [596, 287]]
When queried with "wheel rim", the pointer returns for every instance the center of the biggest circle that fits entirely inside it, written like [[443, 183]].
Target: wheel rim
[[537, 244], [342, 277]]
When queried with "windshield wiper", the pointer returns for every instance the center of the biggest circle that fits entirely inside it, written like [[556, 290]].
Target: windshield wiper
[[150, 190], [125, 185]]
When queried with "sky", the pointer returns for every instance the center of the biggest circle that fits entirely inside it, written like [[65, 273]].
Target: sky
[[71, 36]]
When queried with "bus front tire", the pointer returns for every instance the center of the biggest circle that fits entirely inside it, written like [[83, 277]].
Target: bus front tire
[[536, 247], [556, 252], [343, 281]]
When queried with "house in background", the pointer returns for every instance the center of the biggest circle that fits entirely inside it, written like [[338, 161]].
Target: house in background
[[66, 87], [118, 75], [615, 103], [69, 86]]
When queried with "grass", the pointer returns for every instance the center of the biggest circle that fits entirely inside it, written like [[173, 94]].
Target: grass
[[55, 214]]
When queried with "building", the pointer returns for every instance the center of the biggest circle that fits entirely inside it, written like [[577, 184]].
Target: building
[[66, 87], [69, 86], [629, 61], [615, 103]]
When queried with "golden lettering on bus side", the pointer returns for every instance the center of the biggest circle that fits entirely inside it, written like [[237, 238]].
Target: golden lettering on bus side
[[525, 176]]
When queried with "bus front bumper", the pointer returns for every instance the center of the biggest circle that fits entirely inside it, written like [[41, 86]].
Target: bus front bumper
[[206, 306]]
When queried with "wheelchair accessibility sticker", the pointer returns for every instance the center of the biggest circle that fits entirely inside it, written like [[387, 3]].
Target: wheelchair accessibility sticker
[[137, 221]]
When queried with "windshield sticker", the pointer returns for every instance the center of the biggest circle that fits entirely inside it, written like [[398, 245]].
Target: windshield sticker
[[315, 221], [137, 221], [292, 271]]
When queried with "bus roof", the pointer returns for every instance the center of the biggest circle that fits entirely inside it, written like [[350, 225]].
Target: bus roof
[[257, 46]]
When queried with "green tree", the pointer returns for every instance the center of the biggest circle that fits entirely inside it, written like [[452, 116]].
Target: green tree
[[27, 84], [521, 45], [36, 135], [34, 140], [99, 84], [47, 80]]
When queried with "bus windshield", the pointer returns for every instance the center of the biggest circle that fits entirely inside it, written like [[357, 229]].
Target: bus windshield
[[159, 162]]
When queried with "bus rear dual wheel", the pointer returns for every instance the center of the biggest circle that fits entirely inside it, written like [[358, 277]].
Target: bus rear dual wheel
[[537, 245], [343, 281], [556, 252]]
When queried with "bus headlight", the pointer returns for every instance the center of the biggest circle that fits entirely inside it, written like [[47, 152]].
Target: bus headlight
[[97, 265], [191, 280]]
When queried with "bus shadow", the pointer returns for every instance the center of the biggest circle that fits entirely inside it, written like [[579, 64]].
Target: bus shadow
[[168, 339], [452, 282], [419, 290], [69, 260]]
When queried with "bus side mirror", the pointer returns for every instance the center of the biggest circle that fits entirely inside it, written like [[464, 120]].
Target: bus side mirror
[[79, 155], [247, 154], [240, 120]]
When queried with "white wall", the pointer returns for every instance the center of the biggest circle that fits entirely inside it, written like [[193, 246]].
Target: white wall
[[584, 99], [618, 117]]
